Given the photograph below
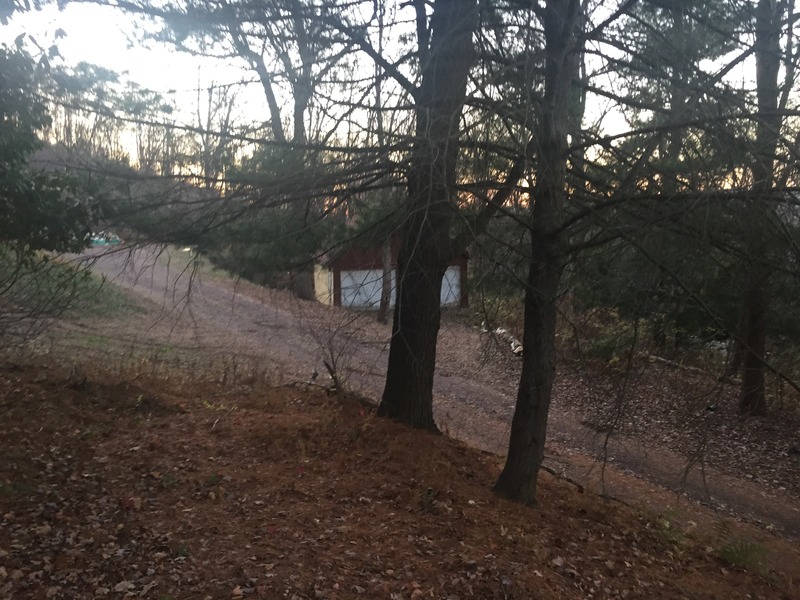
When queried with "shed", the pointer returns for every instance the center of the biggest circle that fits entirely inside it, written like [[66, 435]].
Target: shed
[[352, 278]]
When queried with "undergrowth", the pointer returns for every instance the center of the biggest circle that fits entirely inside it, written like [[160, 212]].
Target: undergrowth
[[738, 551]]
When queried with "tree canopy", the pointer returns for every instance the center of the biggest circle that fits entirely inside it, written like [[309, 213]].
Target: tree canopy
[[41, 210]]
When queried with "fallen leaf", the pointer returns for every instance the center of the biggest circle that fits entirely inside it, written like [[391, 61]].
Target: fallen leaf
[[124, 586], [147, 588]]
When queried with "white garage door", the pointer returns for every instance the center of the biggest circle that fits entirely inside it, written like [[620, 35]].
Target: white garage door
[[451, 286], [362, 289]]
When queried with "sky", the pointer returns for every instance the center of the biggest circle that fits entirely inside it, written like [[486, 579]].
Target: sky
[[107, 37], [101, 35]]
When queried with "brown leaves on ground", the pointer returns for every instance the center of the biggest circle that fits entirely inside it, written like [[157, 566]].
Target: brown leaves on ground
[[117, 491]]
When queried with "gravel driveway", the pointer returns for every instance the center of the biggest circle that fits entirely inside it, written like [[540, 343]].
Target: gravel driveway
[[664, 435]]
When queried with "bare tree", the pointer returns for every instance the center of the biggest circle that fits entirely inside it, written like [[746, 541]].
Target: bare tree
[[215, 124]]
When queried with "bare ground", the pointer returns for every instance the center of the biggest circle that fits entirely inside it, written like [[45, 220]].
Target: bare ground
[[167, 485], [652, 421], [212, 490]]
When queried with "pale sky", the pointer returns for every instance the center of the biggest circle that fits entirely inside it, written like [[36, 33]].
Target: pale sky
[[105, 36]]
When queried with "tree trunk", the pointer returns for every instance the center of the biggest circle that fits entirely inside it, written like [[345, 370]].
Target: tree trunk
[[426, 247], [529, 426], [753, 400], [768, 56], [737, 354], [408, 395]]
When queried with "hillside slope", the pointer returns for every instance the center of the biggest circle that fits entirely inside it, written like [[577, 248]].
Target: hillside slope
[[110, 489]]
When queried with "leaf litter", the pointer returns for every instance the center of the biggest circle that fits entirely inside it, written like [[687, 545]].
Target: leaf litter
[[295, 494]]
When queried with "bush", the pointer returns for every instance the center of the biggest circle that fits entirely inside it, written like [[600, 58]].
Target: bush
[[606, 336]]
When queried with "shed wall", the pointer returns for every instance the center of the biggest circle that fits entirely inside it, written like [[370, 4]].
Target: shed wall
[[323, 285]]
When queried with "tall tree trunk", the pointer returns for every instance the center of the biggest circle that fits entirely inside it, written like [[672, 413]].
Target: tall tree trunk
[[426, 248], [753, 400], [529, 426], [736, 355], [768, 57]]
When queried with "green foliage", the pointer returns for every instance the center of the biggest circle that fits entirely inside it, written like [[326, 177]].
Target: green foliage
[[41, 286], [378, 217], [738, 551], [667, 525], [280, 224], [681, 285], [169, 481], [498, 272], [41, 211], [36, 287], [15, 488], [269, 245], [743, 554], [611, 340], [683, 275]]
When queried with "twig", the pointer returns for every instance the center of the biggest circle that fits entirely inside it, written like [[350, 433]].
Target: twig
[[304, 384], [563, 477]]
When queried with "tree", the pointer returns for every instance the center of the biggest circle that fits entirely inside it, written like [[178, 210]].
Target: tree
[[767, 50], [529, 425], [739, 153], [380, 134], [439, 223], [427, 248], [41, 210], [492, 88]]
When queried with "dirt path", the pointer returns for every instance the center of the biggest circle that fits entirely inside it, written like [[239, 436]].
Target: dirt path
[[473, 393]]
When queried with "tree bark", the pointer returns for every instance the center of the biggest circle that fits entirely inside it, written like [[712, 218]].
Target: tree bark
[[768, 57], [753, 400], [426, 247], [529, 425], [735, 361]]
